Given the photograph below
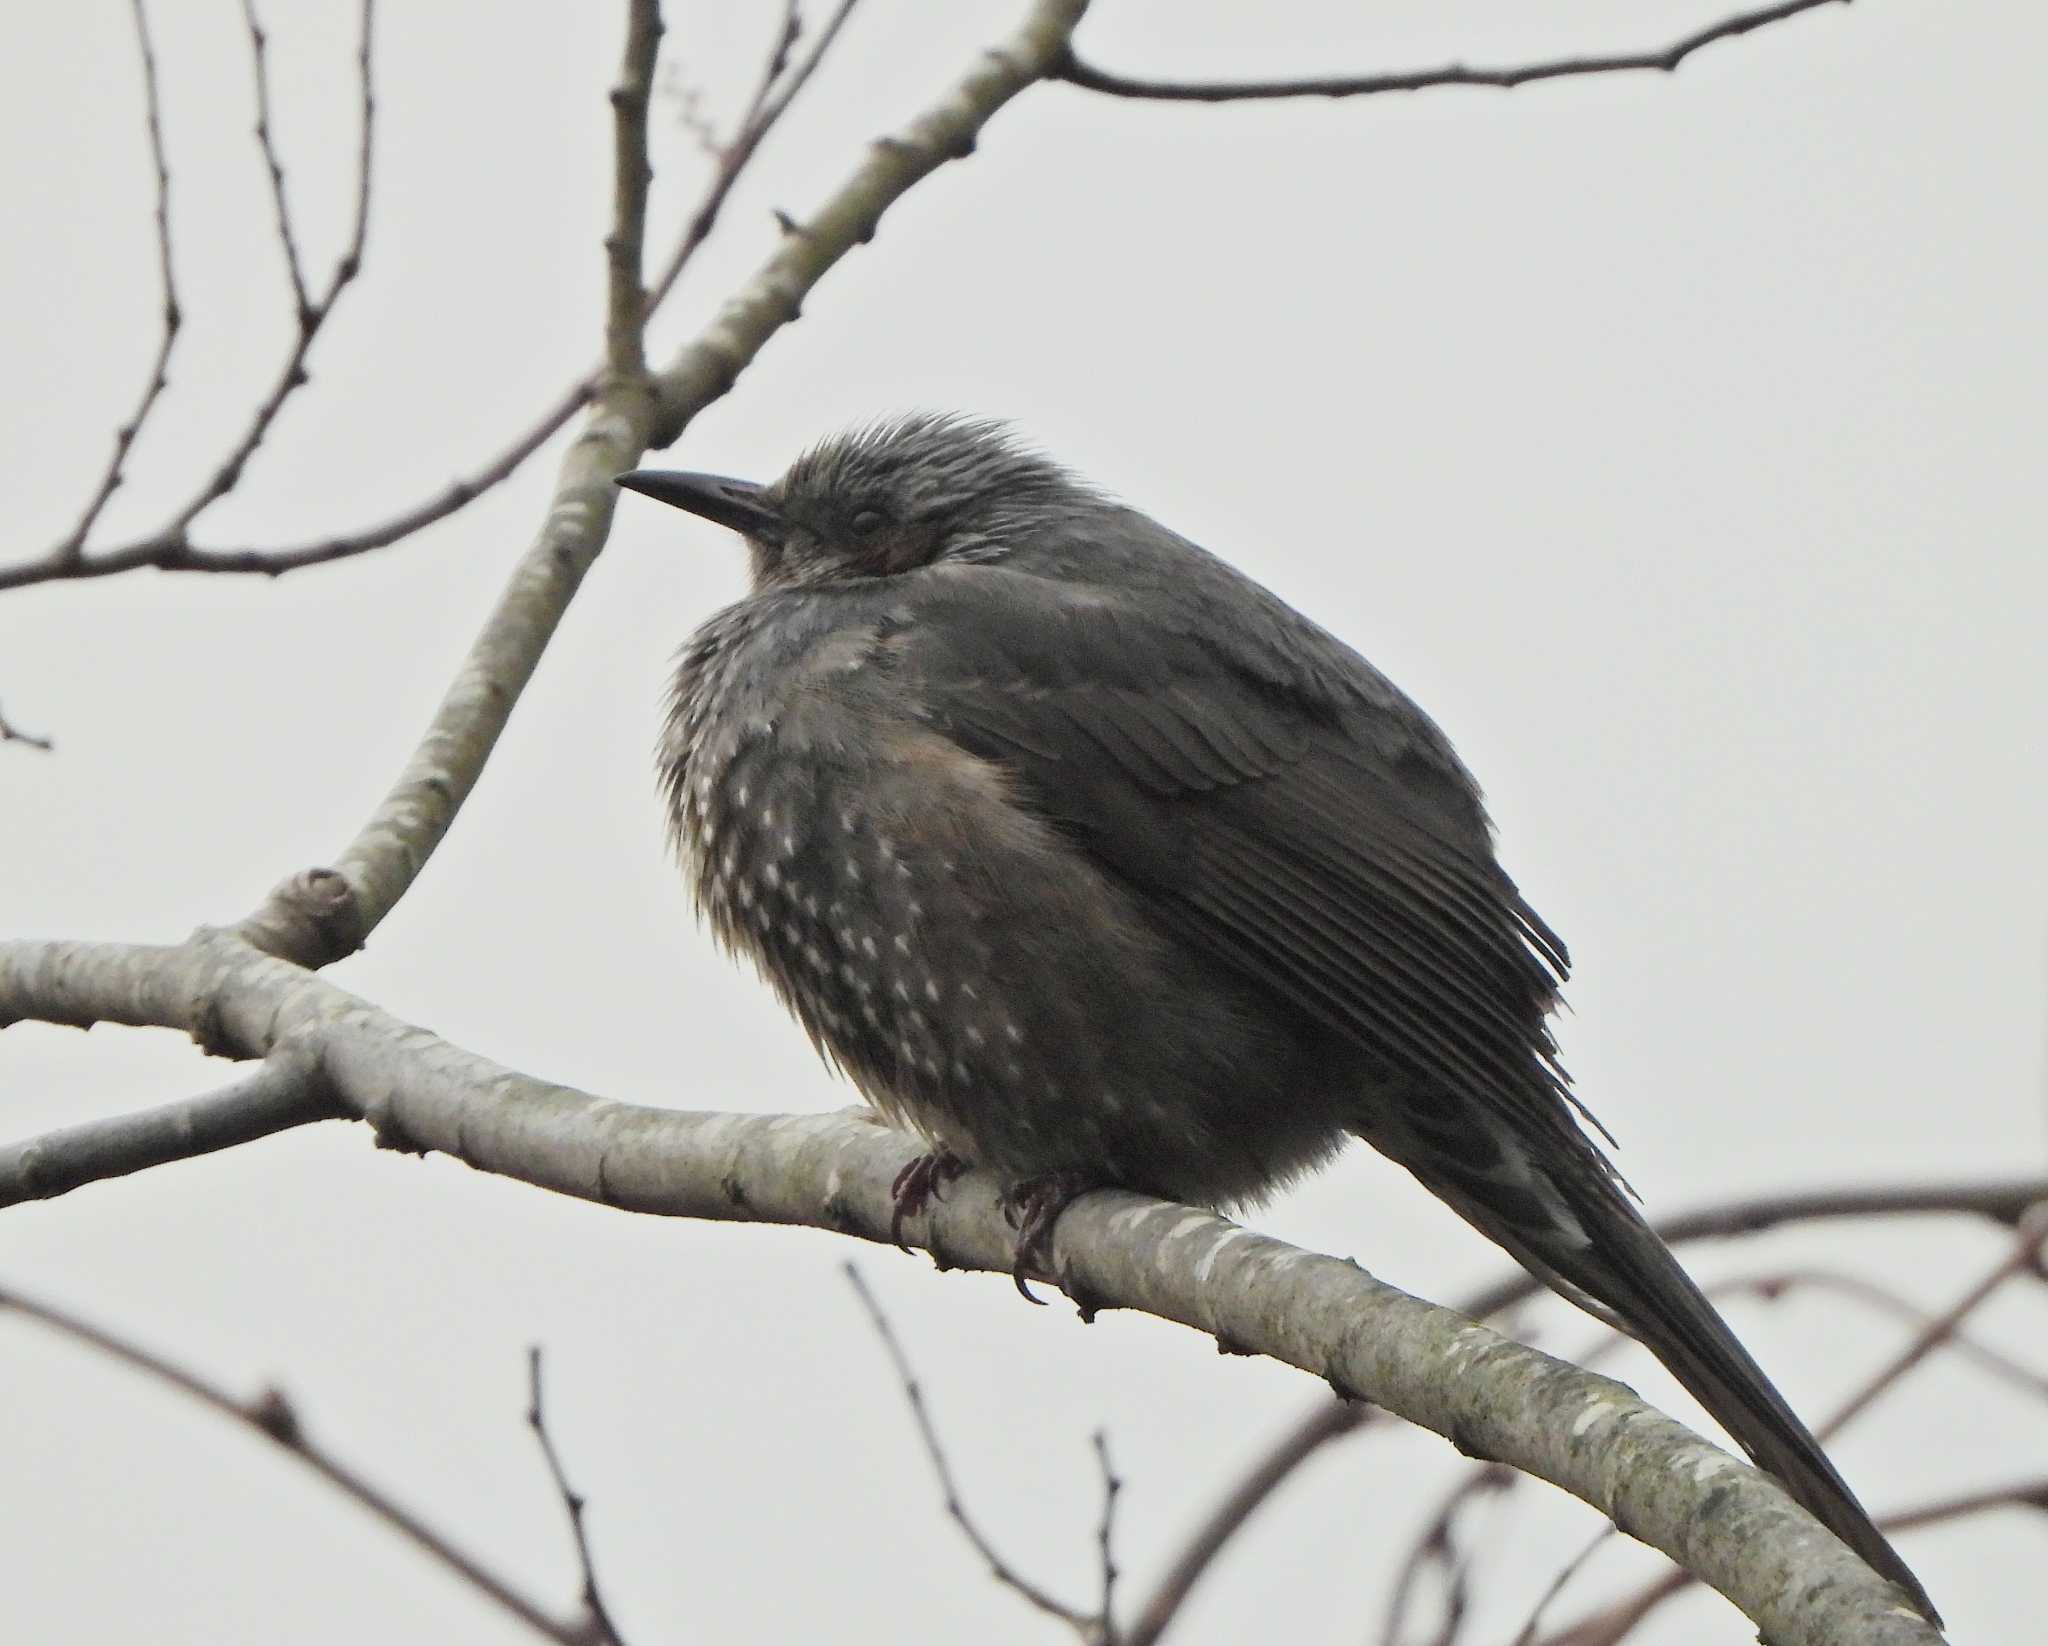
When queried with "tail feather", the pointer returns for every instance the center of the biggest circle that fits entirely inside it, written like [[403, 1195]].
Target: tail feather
[[1634, 1274], [1575, 1230]]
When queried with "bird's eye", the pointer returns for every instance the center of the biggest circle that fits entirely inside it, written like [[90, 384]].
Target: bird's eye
[[866, 522]]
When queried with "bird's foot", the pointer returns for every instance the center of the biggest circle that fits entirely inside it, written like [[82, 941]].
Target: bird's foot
[[1032, 1207], [918, 1185]]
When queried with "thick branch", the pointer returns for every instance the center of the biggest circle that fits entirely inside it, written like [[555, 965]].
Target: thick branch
[[1495, 1399], [1089, 78]]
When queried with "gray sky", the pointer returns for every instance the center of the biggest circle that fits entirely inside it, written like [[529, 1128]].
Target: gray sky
[[1675, 442]]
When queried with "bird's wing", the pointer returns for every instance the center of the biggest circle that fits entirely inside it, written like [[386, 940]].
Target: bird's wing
[[1276, 802], [1278, 805]]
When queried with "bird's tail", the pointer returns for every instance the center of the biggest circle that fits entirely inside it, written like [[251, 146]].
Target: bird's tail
[[1576, 1231]]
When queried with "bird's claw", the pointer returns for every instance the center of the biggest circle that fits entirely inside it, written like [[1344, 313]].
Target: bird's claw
[[918, 1185], [1032, 1207]]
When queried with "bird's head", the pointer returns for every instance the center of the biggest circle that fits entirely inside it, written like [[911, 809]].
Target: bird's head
[[881, 499]]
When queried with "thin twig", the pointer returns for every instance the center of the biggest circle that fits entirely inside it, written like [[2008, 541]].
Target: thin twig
[[1105, 1540], [1614, 1621], [600, 1626], [271, 1415], [1089, 78], [2003, 1201], [1959, 1343], [1526, 1635], [999, 1569], [1328, 1420], [171, 549], [2024, 1255], [773, 95], [259, 53], [1436, 1546], [170, 556], [11, 733], [69, 552], [312, 316]]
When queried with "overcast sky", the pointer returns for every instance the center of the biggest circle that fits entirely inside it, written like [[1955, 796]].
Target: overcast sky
[[1676, 442]]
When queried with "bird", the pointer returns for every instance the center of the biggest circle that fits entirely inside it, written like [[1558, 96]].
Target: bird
[[1092, 862]]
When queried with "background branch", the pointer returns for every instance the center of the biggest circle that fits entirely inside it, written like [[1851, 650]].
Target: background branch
[[271, 1415], [1089, 78], [1499, 1400]]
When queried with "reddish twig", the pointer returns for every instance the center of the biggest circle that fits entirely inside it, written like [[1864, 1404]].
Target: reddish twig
[[271, 1415], [1089, 78], [1327, 1421]]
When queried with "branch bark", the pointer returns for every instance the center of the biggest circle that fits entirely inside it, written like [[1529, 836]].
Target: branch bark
[[1494, 1399]]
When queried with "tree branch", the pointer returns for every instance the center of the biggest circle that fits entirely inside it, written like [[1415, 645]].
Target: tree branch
[[388, 853], [597, 1626], [259, 53], [771, 100], [1089, 78], [956, 1509], [1329, 1420], [626, 298], [68, 553], [284, 1092], [271, 1415], [11, 733], [707, 367], [1663, 1484]]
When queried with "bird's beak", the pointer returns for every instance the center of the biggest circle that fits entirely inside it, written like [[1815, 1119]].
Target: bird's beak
[[739, 504]]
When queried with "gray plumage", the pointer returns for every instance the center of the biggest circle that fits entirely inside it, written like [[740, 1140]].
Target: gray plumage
[[1088, 859]]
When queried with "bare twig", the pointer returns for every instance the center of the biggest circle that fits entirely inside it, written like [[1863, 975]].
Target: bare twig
[[1526, 1635], [2001, 1201], [259, 54], [1328, 1420], [312, 316], [282, 1093], [270, 562], [1435, 1547], [1962, 1344], [626, 301], [2018, 1494], [2023, 1257], [68, 552], [11, 733], [170, 546], [599, 1627], [1105, 1534], [271, 1415], [773, 95], [1615, 1620], [999, 1569], [171, 549], [1089, 78]]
